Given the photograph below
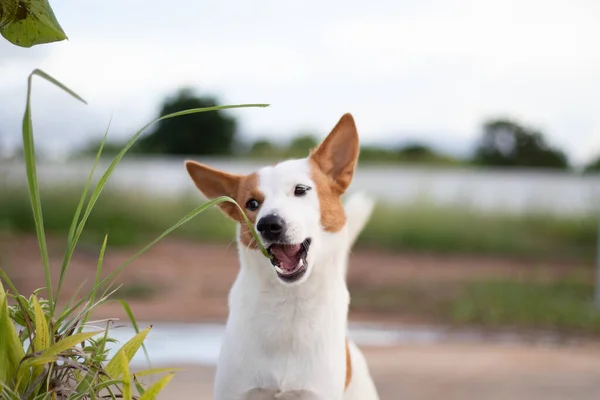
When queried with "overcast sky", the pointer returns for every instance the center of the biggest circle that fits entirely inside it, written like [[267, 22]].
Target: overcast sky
[[429, 70]]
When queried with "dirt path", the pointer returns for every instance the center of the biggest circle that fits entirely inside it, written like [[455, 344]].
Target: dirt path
[[180, 280], [457, 372]]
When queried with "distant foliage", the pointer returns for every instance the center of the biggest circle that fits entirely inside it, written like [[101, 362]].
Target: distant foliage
[[301, 145], [410, 153], [509, 144], [594, 166], [210, 133]]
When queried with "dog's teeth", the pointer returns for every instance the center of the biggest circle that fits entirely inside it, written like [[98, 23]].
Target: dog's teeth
[[301, 262]]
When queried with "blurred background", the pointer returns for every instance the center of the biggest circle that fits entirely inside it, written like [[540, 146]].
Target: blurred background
[[480, 132]]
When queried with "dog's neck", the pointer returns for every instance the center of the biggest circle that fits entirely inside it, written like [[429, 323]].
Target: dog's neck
[[323, 296]]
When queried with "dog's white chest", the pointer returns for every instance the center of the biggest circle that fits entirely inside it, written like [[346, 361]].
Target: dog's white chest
[[282, 348]]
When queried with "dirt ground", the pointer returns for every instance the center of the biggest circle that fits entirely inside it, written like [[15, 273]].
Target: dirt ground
[[179, 280], [456, 372]]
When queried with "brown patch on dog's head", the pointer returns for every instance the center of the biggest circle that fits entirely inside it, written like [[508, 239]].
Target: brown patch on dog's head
[[332, 167], [242, 188]]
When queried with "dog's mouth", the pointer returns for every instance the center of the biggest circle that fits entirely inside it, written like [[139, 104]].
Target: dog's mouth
[[289, 260]]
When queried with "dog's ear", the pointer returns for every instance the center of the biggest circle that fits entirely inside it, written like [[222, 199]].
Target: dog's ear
[[336, 156], [214, 183]]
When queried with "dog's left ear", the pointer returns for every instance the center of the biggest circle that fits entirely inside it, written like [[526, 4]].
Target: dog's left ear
[[336, 156]]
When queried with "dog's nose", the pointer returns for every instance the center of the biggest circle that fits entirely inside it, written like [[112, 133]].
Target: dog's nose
[[271, 227]]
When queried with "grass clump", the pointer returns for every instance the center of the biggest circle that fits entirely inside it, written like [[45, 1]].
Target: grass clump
[[566, 305], [426, 227], [48, 353]]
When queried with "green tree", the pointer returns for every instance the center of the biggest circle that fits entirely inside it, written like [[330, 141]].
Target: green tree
[[264, 148], [593, 166], [301, 145], [507, 143], [416, 152], [207, 133]]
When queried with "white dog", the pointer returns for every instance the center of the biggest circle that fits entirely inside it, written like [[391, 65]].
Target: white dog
[[286, 335]]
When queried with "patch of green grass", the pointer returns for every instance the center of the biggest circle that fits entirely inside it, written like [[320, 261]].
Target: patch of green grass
[[129, 219], [137, 291], [565, 305], [560, 305], [137, 217], [425, 227]]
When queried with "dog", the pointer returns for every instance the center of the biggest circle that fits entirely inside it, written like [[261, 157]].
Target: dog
[[286, 333]]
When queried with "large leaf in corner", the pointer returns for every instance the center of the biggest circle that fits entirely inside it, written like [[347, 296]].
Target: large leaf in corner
[[27, 23]]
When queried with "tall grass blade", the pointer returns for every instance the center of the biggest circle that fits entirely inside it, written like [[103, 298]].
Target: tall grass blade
[[102, 182], [182, 221], [30, 164], [88, 314], [70, 242], [135, 326]]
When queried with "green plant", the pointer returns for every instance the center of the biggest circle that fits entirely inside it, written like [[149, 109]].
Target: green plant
[[50, 354], [27, 23]]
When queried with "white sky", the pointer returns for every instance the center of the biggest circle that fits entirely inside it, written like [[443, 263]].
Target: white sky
[[428, 70]]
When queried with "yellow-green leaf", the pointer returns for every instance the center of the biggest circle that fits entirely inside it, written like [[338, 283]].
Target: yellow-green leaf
[[24, 375], [41, 340], [11, 349], [113, 368], [155, 371], [68, 342], [155, 389], [37, 361], [32, 22], [124, 364]]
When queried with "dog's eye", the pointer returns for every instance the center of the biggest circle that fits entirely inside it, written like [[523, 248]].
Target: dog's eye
[[301, 190], [252, 204]]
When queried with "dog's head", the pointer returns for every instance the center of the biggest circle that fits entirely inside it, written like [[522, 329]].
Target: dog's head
[[295, 205]]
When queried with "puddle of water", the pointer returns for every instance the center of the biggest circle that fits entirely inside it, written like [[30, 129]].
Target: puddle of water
[[171, 344], [180, 344]]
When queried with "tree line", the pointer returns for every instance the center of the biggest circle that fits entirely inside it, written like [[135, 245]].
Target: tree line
[[502, 142]]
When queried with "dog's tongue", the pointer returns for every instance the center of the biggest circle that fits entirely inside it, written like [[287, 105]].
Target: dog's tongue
[[287, 255]]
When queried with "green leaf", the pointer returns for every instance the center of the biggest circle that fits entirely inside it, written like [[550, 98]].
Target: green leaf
[[114, 367], [155, 389], [124, 366], [34, 194], [11, 349], [32, 22], [155, 371], [41, 341], [71, 241], [134, 323], [69, 342], [96, 280], [140, 388], [98, 190]]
